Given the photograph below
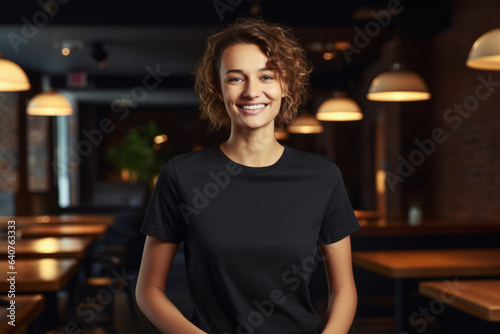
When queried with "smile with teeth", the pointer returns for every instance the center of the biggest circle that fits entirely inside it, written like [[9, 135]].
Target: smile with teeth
[[252, 106]]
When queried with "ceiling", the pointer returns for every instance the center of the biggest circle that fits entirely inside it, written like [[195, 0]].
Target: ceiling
[[169, 36]]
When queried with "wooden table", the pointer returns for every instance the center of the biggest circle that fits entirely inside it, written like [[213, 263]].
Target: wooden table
[[478, 297], [405, 264], [50, 247], [379, 227], [28, 308], [94, 231], [45, 276], [59, 219], [38, 275], [430, 263]]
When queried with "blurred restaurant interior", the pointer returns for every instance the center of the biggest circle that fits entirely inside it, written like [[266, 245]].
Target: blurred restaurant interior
[[95, 96]]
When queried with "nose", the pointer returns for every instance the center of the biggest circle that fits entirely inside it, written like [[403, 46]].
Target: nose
[[251, 89]]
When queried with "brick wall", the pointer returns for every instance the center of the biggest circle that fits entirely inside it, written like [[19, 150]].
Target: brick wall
[[38, 153], [459, 179], [466, 166], [9, 175]]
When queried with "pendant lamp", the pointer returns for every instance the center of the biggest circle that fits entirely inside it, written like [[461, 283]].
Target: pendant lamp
[[49, 103], [305, 124], [485, 52], [398, 85], [12, 77], [339, 108]]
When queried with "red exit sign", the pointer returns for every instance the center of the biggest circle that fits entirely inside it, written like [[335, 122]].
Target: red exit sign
[[77, 79]]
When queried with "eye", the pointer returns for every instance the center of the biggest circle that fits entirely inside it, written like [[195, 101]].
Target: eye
[[267, 77], [235, 79]]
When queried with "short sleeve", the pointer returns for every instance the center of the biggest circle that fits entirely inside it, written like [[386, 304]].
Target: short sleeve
[[339, 219], [163, 219]]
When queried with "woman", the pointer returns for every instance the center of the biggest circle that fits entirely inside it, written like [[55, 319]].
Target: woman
[[251, 212]]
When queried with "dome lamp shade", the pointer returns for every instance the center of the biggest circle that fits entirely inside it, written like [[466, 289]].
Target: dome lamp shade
[[339, 108], [12, 77], [485, 52], [49, 104], [305, 124], [398, 85]]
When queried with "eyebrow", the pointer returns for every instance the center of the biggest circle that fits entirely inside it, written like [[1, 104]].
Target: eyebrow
[[264, 69]]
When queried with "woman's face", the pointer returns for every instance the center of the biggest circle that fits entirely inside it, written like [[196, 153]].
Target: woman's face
[[252, 92]]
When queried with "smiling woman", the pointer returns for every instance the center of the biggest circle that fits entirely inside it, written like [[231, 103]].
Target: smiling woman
[[251, 91], [251, 212], [284, 56]]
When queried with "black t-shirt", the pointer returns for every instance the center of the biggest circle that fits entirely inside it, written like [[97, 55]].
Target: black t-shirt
[[250, 235]]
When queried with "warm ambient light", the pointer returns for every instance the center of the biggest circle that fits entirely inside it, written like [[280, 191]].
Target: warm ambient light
[[49, 104], [305, 124], [485, 52], [398, 85], [99, 54], [45, 245], [43, 219], [12, 77], [65, 51], [125, 175], [380, 178], [339, 108], [160, 139], [47, 269], [281, 134], [329, 55]]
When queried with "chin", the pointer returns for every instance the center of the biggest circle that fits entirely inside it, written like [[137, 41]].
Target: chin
[[256, 125]]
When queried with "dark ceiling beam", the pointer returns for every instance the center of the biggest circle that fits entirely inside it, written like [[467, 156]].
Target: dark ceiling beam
[[171, 81], [419, 18], [122, 12]]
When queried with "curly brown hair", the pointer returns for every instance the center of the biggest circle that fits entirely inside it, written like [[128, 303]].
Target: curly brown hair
[[285, 55]]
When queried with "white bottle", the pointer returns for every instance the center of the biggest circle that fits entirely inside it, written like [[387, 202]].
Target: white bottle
[[414, 215]]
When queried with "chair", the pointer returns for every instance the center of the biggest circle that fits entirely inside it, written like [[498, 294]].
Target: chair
[[118, 252]]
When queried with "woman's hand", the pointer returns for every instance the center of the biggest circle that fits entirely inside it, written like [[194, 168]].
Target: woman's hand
[[150, 294]]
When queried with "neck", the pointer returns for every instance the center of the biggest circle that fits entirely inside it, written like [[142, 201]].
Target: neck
[[253, 148]]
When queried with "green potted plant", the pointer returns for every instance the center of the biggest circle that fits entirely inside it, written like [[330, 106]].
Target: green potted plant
[[140, 154]]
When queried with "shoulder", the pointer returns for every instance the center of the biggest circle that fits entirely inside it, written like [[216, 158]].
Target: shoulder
[[202, 157], [191, 162]]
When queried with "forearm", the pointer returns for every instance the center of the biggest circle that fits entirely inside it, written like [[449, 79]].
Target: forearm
[[163, 313], [341, 310]]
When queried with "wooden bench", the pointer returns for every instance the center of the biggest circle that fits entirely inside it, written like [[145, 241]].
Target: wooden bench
[[480, 298]]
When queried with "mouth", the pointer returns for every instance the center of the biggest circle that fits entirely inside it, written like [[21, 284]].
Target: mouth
[[252, 109]]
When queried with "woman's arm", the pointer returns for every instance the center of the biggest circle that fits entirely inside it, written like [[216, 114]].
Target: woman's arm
[[343, 298], [150, 292]]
